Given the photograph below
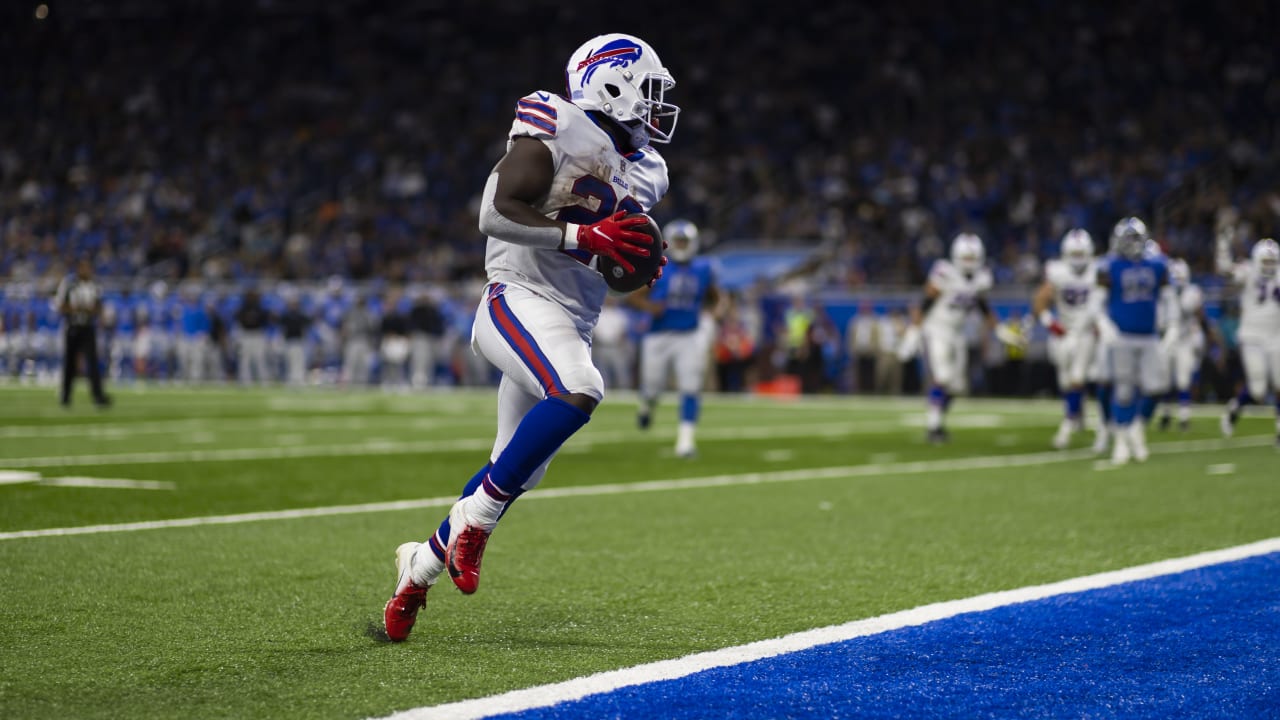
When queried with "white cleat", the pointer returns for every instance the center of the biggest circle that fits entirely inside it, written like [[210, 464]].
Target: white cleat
[[1101, 440], [1227, 424], [1120, 452], [1062, 438], [1138, 442]]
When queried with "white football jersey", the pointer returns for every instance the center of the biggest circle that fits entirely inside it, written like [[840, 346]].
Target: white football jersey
[[592, 180], [958, 295], [1181, 313], [1073, 294], [1259, 305]]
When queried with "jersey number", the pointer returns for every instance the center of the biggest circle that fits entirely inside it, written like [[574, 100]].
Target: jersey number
[[1264, 289], [1137, 285], [1075, 296], [591, 187]]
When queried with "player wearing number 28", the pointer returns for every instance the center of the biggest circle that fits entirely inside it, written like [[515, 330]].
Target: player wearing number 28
[[576, 165]]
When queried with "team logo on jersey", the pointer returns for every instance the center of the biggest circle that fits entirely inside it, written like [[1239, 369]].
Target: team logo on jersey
[[619, 53]]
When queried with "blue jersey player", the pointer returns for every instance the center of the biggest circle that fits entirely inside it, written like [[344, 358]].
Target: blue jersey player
[[680, 334], [1134, 280]]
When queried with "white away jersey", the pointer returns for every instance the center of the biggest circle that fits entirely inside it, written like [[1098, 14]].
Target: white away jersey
[[1259, 305], [958, 294], [1181, 312], [1073, 294], [592, 180]]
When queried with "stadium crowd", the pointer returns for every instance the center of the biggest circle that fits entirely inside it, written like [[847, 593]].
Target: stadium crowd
[[148, 137]]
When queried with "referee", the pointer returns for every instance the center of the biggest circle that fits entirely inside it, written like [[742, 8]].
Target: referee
[[79, 301]]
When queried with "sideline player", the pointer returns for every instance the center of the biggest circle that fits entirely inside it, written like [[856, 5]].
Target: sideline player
[[1134, 278], [575, 166], [1069, 286], [955, 288], [677, 340], [1259, 326], [1182, 342]]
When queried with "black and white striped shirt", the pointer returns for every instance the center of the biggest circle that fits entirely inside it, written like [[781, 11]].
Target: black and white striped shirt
[[80, 299]]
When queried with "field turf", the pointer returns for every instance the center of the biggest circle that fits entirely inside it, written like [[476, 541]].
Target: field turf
[[795, 515]]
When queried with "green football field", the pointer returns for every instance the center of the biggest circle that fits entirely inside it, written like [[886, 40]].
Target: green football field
[[226, 553]]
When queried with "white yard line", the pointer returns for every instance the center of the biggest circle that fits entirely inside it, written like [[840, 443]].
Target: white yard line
[[388, 447], [556, 693], [112, 483], [118, 430], [756, 478]]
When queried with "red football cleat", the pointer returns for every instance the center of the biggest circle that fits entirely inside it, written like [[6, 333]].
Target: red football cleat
[[464, 554], [401, 611]]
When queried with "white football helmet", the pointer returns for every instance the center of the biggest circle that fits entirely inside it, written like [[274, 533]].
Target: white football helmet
[[1077, 249], [622, 77], [1266, 257], [1129, 238], [967, 253], [682, 239], [1179, 272]]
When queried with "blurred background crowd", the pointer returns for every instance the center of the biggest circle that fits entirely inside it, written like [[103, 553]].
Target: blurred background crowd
[[325, 159]]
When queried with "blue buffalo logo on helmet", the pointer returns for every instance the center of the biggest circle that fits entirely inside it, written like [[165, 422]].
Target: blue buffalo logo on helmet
[[619, 53]]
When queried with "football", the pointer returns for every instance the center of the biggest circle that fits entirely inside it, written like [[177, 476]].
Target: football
[[618, 278]]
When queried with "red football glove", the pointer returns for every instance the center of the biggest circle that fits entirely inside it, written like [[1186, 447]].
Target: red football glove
[[1051, 323], [614, 238]]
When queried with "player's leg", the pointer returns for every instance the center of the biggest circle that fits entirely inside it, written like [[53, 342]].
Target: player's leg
[[1100, 375], [1253, 358], [1186, 368], [1066, 354], [1153, 381], [1124, 401], [1273, 369], [536, 344], [690, 363], [653, 375], [945, 359]]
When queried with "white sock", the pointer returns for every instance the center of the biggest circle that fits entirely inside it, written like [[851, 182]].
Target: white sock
[[481, 508], [684, 436], [933, 419], [426, 567]]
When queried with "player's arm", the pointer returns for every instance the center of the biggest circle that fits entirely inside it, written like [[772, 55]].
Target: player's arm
[[1223, 262], [1040, 303], [523, 177], [643, 301], [988, 315], [931, 293], [716, 302]]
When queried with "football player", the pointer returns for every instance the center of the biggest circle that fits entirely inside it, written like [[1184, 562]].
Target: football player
[[679, 336], [1070, 284], [1134, 278], [1259, 325], [1183, 340], [955, 288], [575, 166]]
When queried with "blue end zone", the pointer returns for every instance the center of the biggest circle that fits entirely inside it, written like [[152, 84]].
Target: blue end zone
[[1204, 643]]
